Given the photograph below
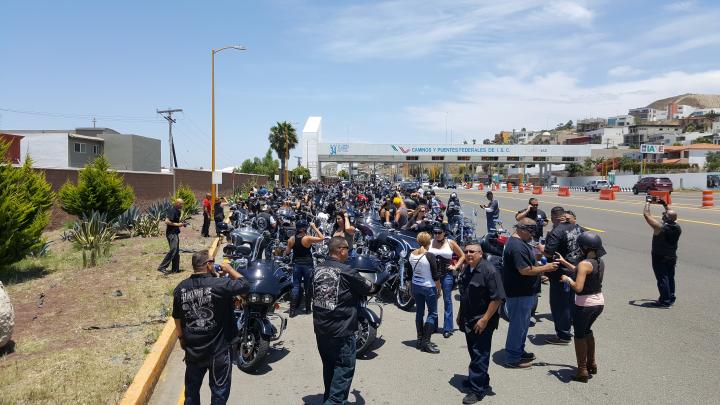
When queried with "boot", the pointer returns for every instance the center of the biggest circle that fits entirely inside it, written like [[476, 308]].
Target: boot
[[591, 365], [308, 304], [293, 307], [419, 329], [425, 344], [581, 356]]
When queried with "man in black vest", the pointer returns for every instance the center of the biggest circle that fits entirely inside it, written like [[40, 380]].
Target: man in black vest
[[172, 234], [664, 252]]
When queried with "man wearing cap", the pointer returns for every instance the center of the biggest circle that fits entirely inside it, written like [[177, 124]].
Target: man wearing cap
[[481, 294], [205, 325], [492, 211], [520, 279]]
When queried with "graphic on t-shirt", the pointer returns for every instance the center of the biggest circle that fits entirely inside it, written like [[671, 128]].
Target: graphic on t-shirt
[[574, 251], [326, 287], [198, 307], [261, 223]]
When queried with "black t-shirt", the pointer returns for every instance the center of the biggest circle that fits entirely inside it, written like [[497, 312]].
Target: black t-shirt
[[173, 215], [563, 239], [204, 306], [337, 289], [478, 287], [540, 219], [518, 255], [666, 242]]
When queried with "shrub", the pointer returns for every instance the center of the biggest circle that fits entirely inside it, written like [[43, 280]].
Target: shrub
[[92, 235], [126, 221], [159, 209], [191, 206], [147, 226], [98, 189], [25, 199]]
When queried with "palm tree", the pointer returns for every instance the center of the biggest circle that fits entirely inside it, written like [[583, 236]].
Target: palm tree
[[282, 139]]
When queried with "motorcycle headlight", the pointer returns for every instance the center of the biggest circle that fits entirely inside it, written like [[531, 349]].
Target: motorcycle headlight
[[254, 298], [267, 298]]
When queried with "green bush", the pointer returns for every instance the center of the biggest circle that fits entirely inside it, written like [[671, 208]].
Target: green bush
[[191, 206], [97, 189], [147, 226], [25, 201], [92, 235]]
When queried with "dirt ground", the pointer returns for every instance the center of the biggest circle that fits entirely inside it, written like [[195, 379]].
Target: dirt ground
[[81, 334]]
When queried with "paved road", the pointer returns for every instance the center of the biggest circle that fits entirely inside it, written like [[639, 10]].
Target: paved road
[[645, 355]]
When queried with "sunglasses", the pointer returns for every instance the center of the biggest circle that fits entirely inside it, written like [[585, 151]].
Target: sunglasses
[[468, 251], [344, 247], [534, 205]]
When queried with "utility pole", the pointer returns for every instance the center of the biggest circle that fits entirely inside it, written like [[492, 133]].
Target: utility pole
[[299, 158], [167, 114]]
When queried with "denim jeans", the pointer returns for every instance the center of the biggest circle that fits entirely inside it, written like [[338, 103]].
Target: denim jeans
[[491, 227], [338, 359], [220, 367], [561, 303], [519, 310], [173, 254], [206, 224], [479, 349], [664, 269], [447, 284], [302, 275], [425, 296]]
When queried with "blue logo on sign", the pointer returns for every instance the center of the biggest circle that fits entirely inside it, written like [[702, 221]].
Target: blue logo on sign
[[333, 150]]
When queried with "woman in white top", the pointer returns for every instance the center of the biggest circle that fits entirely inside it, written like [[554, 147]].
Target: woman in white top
[[443, 249], [426, 289]]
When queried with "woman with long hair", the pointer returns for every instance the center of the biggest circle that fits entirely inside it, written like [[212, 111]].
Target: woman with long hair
[[425, 289], [589, 301], [444, 249], [344, 229]]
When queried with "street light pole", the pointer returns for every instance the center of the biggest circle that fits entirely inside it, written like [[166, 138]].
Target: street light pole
[[212, 173]]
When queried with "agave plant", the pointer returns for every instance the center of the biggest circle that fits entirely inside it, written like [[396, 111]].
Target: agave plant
[[126, 221], [147, 226], [158, 209], [93, 236], [41, 250]]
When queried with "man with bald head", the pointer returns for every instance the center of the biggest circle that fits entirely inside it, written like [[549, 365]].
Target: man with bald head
[[664, 252], [172, 233]]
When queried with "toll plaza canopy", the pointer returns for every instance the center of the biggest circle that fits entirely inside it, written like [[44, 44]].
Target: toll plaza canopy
[[440, 153]]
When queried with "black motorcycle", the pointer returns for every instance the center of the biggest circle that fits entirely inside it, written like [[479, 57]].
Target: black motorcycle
[[257, 322], [368, 321]]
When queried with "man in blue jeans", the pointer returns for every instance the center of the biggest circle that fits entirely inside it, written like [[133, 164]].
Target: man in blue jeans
[[492, 212], [205, 325], [337, 289], [520, 279]]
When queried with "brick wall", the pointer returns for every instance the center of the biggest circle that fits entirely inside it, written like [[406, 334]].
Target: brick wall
[[150, 187]]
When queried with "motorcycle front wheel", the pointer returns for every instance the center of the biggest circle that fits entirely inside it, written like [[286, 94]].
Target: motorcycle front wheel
[[364, 337], [403, 296], [251, 351]]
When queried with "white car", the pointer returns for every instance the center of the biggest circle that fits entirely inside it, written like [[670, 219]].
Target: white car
[[597, 185]]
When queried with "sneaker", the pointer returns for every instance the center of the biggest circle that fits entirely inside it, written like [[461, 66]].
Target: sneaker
[[554, 340], [472, 398], [659, 304], [527, 356], [520, 365], [447, 334], [163, 271]]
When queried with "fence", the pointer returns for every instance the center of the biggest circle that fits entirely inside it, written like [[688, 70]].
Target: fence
[[151, 187]]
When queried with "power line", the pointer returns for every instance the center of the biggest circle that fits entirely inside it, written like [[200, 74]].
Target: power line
[[125, 118]]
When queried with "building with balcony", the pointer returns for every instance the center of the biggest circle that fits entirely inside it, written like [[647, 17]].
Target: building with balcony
[[641, 133]]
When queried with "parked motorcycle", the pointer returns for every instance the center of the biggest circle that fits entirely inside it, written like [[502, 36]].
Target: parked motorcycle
[[368, 321]]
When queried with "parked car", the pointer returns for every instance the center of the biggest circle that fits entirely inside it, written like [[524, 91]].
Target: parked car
[[597, 185], [651, 183], [409, 186], [450, 184]]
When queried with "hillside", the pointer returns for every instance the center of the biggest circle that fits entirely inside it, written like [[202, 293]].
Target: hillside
[[695, 100]]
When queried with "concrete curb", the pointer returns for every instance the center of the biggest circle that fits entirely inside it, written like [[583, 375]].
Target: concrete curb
[[139, 392]]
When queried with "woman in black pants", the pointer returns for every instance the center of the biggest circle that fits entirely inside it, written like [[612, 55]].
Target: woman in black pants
[[589, 301]]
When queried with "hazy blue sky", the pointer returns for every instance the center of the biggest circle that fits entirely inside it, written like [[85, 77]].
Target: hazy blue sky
[[375, 71]]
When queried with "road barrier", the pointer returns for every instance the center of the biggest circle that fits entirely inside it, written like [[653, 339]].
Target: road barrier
[[615, 189], [521, 189], [664, 195], [480, 186], [707, 199], [537, 190], [607, 194], [564, 191], [509, 187]]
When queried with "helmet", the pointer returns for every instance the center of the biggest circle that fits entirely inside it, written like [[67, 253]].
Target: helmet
[[453, 195], [426, 194], [591, 241], [432, 193], [361, 197], [301, 224], [397, 201]]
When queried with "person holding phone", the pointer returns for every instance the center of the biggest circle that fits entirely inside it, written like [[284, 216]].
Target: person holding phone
[[666, 235], [481, 294]]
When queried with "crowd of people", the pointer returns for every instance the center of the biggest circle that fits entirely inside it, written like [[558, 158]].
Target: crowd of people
[[568, 257]]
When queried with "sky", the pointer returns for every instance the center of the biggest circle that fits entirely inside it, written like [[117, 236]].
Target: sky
[[401, 71]]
